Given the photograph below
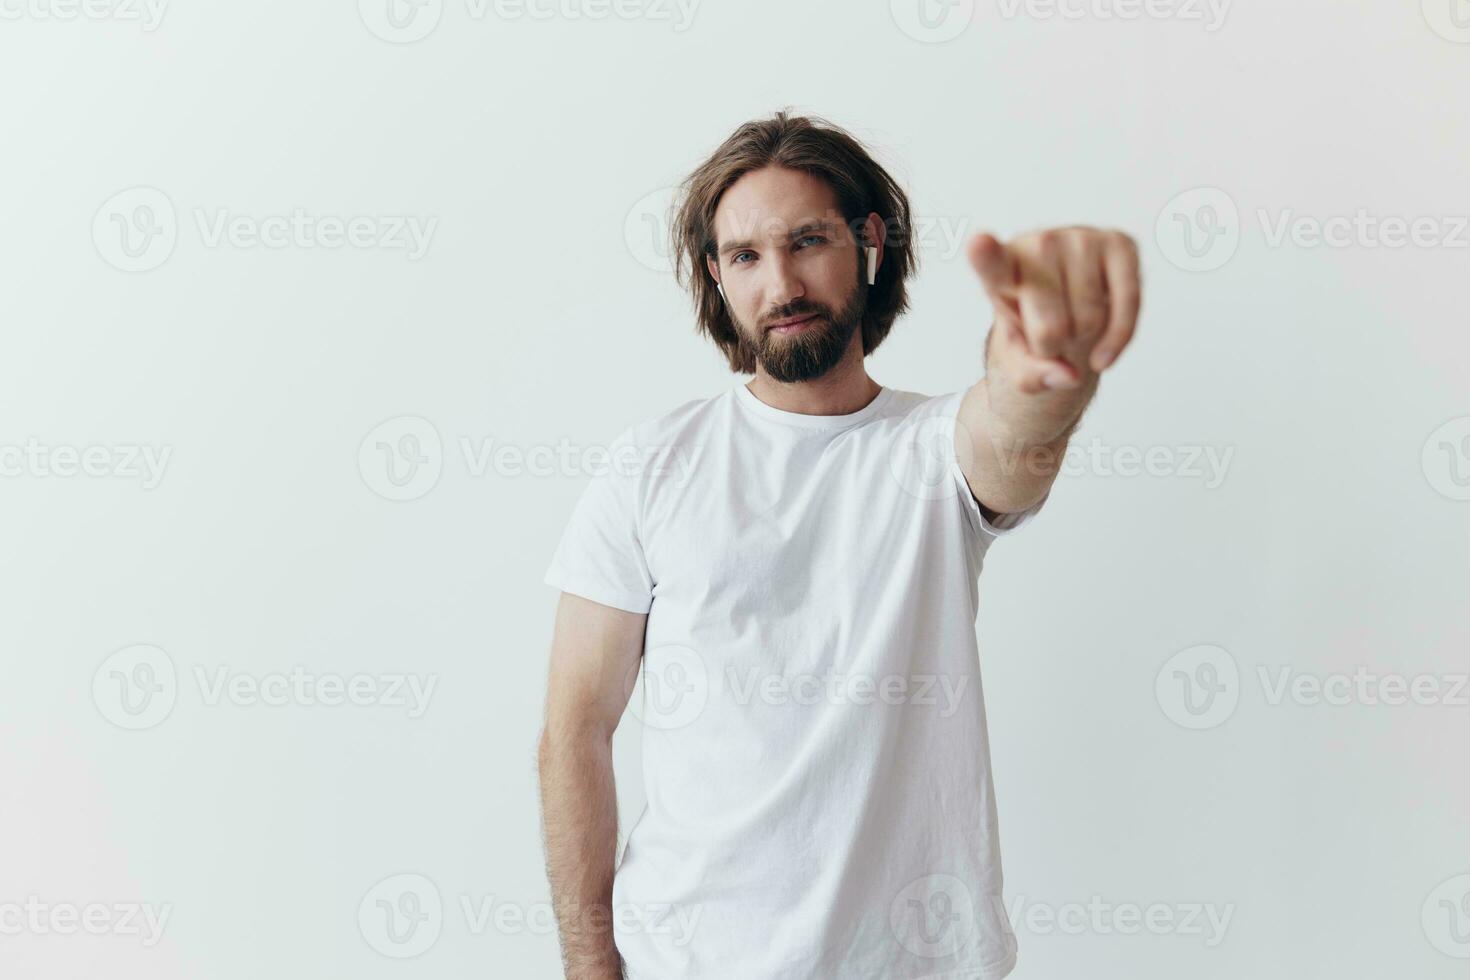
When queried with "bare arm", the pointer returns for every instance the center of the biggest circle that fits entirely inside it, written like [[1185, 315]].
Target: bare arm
[[1010, 468], [595, 652]]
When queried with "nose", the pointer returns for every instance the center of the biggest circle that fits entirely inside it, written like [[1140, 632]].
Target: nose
[[784, 284]]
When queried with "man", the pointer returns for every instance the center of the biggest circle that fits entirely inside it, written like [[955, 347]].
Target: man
[[793, 563]]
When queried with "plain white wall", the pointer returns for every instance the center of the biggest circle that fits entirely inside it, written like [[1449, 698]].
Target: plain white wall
[[530, 153]]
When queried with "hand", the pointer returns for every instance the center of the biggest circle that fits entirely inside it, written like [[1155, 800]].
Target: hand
[[1066, 301]]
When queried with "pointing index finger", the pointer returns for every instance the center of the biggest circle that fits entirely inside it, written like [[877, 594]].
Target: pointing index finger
[[994, 264]]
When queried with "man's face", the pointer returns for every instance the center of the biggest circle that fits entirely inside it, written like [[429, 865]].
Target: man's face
[[785, 252]]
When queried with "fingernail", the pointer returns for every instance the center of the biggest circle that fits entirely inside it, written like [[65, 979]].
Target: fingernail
[[1056, 379], [1104, 359]]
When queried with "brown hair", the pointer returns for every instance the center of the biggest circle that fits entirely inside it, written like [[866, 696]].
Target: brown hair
[[815, 146]]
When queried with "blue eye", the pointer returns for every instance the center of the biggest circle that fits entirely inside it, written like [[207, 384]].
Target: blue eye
[[735, 259]]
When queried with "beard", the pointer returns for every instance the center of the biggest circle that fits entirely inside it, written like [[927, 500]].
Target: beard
[[815, 350]]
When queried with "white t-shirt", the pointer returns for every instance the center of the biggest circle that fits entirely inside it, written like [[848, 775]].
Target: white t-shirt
[[815, 752]]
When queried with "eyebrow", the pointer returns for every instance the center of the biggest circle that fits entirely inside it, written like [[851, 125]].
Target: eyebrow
[[792, 235]]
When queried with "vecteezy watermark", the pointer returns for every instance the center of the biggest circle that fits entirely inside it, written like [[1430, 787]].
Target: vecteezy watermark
[[1450, 19], [647, 229], [404, 915], [1210, 13], [924, 459], [672, 687], [507, 460], [1208, 464], [147, 13], [36, 917], [401, 916], [1199, 230], [137, 687], [936, 916], [401, 21], [1198, 687], [136, 230], [1446, 459], [847, 687], [408, 233], [298, 686], [1099, 917], [1363, 229], [941, 235], [406, 21], [937, 21], [486, 914], [932, 21], [121, 461], [403, 458], [1446, 917], [1201, 686], [677, 13], [1362, 687]]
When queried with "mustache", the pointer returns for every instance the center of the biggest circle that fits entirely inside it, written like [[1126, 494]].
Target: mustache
[[792, 314]]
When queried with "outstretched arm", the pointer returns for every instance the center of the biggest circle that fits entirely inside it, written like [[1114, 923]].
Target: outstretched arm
[[1066, 302]]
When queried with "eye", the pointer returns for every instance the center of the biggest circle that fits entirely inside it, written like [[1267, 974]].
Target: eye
[[811, 238], [735, 259]]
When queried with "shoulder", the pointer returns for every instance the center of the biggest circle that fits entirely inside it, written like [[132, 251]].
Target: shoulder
[[678, 424], [915, 407]]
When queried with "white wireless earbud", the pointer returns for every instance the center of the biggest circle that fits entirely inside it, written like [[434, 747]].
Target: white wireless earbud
[[872, 251], [721, 288]]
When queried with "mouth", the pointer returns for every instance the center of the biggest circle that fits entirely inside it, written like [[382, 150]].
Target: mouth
[[795, 326]]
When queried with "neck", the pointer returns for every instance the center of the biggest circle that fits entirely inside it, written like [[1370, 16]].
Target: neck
[[841, 391]]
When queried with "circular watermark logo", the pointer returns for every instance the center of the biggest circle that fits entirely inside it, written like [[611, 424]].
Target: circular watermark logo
[[933, 916], [136, 687], [1446, 459], [672, 688], [932, 21], [135, 230], [402, 458], [401, 916], [401, 21], [1199, 230], [1446, 917], [924, 455], [1199, 687], [1450, 19], [648, 227]]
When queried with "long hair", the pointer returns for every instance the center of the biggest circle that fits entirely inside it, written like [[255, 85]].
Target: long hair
[[815, 146]]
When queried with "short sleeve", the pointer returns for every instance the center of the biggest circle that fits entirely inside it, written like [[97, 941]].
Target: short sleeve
[[1004, 523], [600, 555]]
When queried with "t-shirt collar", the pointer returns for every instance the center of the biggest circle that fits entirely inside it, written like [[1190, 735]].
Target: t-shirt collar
[[747, 398]]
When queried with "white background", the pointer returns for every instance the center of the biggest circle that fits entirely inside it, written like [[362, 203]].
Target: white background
[[541, 314]]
